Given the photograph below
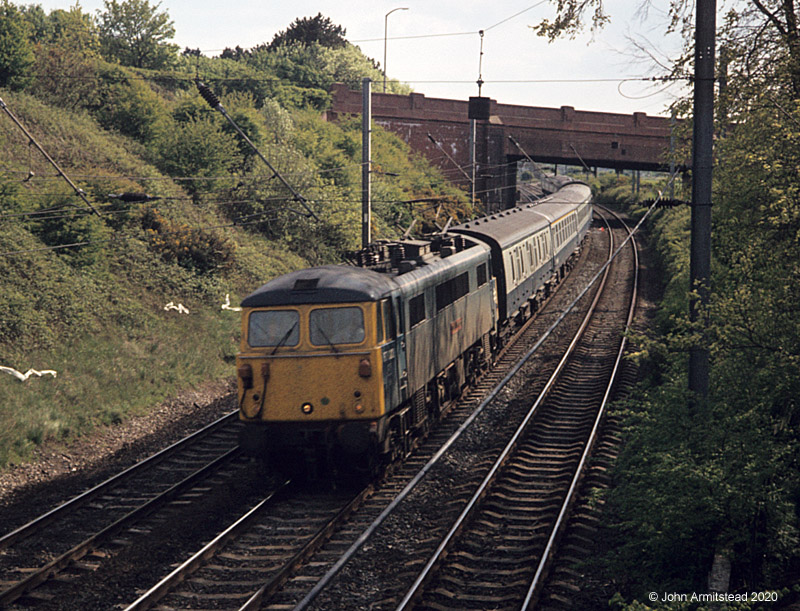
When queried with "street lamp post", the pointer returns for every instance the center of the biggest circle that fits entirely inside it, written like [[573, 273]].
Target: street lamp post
[[385, 32]]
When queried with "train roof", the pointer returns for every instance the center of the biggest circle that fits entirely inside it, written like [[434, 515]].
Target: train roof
[[510, 226], [324, 284], [504, 228], [380, 270], [571, 193]]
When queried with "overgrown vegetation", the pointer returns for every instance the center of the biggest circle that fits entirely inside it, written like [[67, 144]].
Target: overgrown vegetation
[[716, 481], [188, 213]]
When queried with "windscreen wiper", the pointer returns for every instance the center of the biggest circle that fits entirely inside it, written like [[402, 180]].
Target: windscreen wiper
[[284, 338], [325, 337]]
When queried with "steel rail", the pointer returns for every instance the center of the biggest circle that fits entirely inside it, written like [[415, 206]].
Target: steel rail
[[45, 572], [536, 583], [370, 530], [47, 518], [274, 584], [427, 571], [158, 591]]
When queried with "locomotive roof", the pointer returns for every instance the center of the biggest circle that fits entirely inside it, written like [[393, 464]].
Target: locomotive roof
[[325, 284]]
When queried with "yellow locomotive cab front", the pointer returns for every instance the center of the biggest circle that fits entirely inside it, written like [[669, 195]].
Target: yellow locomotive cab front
[[310, 363]]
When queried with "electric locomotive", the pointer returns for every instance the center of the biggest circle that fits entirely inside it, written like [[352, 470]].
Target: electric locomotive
[[341, 366]]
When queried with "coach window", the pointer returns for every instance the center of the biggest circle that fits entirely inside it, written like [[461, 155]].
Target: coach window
[[328, 326]]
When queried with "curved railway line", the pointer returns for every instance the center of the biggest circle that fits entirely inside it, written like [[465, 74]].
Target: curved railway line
[[509, 528], [435, 519], [275, 542], [383, 546]]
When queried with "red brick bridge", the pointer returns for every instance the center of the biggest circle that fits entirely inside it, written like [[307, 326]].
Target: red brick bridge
[[441, 130]]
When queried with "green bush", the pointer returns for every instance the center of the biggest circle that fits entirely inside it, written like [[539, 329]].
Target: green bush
[[196, 249], [199, 153], [126, 104]]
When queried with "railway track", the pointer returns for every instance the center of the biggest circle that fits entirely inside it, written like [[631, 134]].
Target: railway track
[[70, 535], [435, 517], [297, 546], [503, 541], [566, 585]]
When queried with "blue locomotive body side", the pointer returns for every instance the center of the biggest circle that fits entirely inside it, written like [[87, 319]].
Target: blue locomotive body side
[[448, 306]]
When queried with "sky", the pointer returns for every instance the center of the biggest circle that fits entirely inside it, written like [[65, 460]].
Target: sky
[[434, 45]]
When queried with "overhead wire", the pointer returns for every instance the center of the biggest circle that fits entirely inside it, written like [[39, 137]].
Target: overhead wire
[[533, 6], [240, 79], [188, 79]]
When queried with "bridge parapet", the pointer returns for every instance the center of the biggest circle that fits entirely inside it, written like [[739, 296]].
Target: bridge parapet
[[551, 135]]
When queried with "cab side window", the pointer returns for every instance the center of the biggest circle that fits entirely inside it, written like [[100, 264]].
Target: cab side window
[[387, 314]]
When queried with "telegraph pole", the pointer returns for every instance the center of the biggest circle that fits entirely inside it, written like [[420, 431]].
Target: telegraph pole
[[366, 162], [702, 162]]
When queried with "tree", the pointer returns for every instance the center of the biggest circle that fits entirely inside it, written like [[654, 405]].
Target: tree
[[569, 18], [308, 30], [16, 52], [66, 52], [312, 65], [721, 478], [237, 54], [134, 33], [764, 33]]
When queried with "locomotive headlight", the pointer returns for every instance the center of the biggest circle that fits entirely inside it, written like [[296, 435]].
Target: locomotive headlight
[[365, 368], [359, 408], [307, 408]]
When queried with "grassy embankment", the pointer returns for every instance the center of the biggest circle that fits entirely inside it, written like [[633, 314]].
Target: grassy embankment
[[95, 314]]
